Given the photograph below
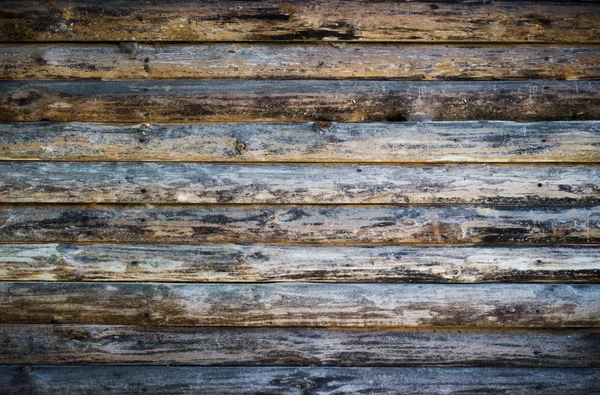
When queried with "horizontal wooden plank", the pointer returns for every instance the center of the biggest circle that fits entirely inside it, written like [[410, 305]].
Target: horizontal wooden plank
[[297, 101], [302, 304], [128, 345], [302, 224], [270, 263], [288, 380], [267, 61], [111, 182], [296, 20], [430, 142]]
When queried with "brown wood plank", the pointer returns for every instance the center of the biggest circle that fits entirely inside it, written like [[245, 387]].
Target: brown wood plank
[[288, 380], [430, 142], [267, 61], [270, 263], [296, 20], [302, 224], [127, 345], [110, 182], [302, 304], [297, 101]]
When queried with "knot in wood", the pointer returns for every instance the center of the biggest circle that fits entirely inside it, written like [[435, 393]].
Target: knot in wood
[[322, 126]]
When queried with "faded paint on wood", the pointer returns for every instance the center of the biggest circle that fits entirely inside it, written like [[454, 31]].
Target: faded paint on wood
[[302, 224], [111, 182], [26, 380], [267, 61], [127, 345], [297, 101], [428, 142], [296, 20], [270, 263], [301, 305]]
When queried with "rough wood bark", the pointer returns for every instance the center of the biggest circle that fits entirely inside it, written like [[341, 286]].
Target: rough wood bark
[[301, 305], [297, 101], [302, 224], [306, 381], [428, 142], [126, 345], [111, 182], [296, 20], [267, 61], [270, 263]]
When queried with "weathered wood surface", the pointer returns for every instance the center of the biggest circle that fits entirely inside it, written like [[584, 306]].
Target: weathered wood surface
[[430, 142], [297, 101], [80, 380], [270, 263], [28, 380], [296, 20], [302, 224], [111, 182], [302, 305], [267, 61], [127, 345]]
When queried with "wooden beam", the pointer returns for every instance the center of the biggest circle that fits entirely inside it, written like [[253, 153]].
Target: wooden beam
[[296, 20], [297, 101], [268, 61], [301, 305], [111, 182], [271, 263], [159, 380], [127, 345], [429, 142], [302, 224]]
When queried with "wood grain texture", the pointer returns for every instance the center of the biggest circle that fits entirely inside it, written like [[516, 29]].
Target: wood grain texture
[[111, 182], [267, 61], [127, 345], [296, 20], [27, 380], [302, 305], [297, 101], [306, 381], [428, 142], [302, 224], [271, 263]]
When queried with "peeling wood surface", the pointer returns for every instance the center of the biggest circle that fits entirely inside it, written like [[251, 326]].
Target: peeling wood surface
[[302, 305], [288, 380], [297, 101], [270, 263], [296, 20], [111, 182], [127, 345], [302, 224], [268, 61], [407, 142]]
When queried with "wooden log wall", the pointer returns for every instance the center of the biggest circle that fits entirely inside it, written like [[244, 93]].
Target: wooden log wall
[[299, 197]]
